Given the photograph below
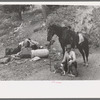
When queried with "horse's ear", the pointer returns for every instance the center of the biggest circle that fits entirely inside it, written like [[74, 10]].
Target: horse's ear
[[51, 26], [48, 26]]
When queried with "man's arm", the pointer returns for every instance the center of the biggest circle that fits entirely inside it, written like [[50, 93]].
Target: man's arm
[[73, 56]]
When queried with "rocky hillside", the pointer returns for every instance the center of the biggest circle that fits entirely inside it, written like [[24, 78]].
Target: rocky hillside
[[85, 19]]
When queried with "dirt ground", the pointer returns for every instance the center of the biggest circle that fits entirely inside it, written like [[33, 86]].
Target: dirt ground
[[26, 69]]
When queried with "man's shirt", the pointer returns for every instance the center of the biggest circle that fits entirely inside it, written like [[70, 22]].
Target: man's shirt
[[71, 56]]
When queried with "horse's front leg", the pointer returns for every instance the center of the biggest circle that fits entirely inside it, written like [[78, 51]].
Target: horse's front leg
[[63, 48], [87, 54], [87, 62], [63, 51]]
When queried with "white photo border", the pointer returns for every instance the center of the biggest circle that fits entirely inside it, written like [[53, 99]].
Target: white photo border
[[50, 89]]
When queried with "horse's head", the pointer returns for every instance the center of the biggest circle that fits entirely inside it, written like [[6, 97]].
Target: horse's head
[[50, 33]]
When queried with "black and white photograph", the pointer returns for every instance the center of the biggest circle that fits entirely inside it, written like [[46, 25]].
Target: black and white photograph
[[49, 49], [49, 42]]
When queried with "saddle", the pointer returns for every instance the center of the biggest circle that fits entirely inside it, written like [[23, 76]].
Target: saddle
[[81, 38]]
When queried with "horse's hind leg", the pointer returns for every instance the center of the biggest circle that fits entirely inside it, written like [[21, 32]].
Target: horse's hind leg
[[83, 54], [86, 50]]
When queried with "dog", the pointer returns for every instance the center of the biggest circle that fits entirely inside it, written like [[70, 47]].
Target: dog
[[59, 69]]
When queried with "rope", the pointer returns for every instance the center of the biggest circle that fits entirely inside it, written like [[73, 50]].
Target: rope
[[50, 59], [49, 47]]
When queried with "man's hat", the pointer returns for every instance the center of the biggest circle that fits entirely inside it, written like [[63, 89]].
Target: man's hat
[[68, 46]]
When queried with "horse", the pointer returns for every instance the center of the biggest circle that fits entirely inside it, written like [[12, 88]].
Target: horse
[[67, 36]]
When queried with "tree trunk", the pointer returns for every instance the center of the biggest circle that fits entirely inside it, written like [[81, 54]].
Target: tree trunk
[[20, 13], [45, 12]]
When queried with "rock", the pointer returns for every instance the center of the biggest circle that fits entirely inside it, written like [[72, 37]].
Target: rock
[[45, 60], [40, 53], [54, 49], [5, 60], [35, 59], [59, 54]]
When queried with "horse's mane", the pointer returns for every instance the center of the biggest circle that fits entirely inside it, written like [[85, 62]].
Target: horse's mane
[[57, 28], [54, 26]]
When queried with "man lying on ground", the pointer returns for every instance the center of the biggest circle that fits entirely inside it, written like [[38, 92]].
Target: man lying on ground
[[27, 42], [33, 44]]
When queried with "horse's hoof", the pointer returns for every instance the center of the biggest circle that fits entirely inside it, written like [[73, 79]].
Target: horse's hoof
[[84, 64], [87, 65], [63, 73], [71, 75]]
